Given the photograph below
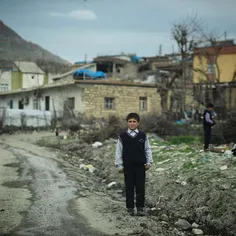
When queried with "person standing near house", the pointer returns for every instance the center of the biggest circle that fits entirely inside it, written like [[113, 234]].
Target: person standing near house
[[133, 158], [208, 122]]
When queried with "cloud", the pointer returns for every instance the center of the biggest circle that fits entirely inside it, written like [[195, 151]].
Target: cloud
[[77, 15], [57, 14], [83, 15]]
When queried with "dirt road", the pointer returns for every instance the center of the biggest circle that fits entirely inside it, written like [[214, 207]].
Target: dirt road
[[41, 194]]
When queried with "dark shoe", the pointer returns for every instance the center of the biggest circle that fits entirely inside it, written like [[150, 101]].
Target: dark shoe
[[131, 211], [141, 212]]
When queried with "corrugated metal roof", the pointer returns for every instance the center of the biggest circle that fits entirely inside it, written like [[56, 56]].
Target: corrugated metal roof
[[28, 67]]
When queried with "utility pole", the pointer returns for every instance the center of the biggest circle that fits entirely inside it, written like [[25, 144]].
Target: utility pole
[[160, 50]]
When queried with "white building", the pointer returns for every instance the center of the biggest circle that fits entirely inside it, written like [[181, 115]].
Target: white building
[[5, 80], [31, 74]]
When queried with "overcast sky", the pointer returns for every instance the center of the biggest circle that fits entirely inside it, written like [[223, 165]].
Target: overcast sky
[[73, 28]]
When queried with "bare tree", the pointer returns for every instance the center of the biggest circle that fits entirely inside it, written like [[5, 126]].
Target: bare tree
[[194, 39], [186, 35]]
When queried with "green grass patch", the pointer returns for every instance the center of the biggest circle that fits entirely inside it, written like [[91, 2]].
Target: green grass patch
[[189, 165], [177, 140]]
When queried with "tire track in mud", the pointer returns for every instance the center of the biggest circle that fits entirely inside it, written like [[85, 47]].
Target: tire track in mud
[[53, 208]]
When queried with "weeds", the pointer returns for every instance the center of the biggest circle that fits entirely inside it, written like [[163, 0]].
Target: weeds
[[176, 140]]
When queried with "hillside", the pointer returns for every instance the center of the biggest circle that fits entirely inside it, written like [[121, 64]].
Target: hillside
[[13, 48]]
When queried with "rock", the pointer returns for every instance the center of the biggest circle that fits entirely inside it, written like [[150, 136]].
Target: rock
[[223, 167], [160, 169], [137, 231], [164, 217], [162, 162], [164, 223], [83, 194], [177, 232], [194, 225], [110, 185], [119, 191], [145, 233], [197, 231], [144, 225], [226, 186], [183, 224]]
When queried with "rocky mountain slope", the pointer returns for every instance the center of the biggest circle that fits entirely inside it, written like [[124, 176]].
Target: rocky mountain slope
[[13, 47]]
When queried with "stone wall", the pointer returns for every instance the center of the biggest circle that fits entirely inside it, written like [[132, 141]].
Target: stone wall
[[126, 100]]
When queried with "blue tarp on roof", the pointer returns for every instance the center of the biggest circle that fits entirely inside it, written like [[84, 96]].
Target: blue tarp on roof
[[135, 58], [89, 73]]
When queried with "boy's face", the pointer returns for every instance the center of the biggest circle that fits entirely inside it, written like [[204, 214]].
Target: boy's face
[[132, 124]]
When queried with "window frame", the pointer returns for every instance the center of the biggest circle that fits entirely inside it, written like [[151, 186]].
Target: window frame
[[109, 103]]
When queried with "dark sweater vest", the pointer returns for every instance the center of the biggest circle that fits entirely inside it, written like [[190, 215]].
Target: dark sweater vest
[[205, 123], [133, 149]]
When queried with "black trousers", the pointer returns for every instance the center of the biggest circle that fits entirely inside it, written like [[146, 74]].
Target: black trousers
[[207, 136], [135, 181]]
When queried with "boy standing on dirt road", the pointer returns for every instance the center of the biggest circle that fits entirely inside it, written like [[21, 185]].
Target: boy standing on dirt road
[[133, 158]]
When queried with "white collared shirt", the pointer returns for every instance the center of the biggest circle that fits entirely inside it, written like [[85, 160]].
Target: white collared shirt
[[132, 132], [119, 149]]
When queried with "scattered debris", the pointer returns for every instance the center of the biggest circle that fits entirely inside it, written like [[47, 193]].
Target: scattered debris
[[89, 167], [206, 183], [97, 144]]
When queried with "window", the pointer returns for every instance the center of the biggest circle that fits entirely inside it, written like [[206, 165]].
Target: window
[[4, 87], [47, 103], [20, 105], [210, 68], [109, 103], [71, 103], [142, 103], [11, 104], [36, 104]]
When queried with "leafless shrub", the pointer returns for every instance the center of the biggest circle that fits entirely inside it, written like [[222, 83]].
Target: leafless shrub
[[161, 125], [105, 129], [72, 124]]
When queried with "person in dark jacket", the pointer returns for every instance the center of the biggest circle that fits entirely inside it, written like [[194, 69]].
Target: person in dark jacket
[[208, 122], [133, 158]]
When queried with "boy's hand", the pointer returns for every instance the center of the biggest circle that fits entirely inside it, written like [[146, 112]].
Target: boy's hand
[[121, 170], [147, 166]]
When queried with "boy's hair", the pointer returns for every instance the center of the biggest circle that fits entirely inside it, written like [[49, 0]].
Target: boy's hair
[[133, 116], [210, 105]]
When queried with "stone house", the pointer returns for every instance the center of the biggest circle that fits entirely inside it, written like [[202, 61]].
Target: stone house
[[118, 67], [91, 98]]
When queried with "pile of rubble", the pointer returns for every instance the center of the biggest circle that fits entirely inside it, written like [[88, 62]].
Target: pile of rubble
[[188, 192]]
